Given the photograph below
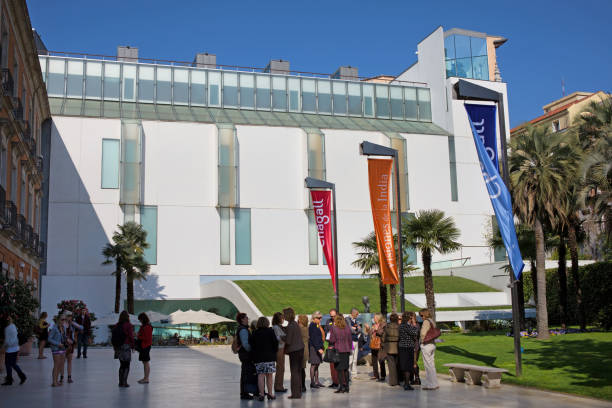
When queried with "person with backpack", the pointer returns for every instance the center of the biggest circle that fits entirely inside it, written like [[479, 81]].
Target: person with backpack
[[122, 338], [242, 346], [429, 332]]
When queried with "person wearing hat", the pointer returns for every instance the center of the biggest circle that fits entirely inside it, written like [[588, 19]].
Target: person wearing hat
[[316, 334]]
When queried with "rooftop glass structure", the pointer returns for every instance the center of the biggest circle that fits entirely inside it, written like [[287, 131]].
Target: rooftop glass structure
[[178, 86], [466, 57]]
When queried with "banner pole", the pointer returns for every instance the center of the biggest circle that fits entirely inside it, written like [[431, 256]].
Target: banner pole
[[335, 234], [399, 232]]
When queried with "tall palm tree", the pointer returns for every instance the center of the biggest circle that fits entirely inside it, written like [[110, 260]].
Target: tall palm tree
[[367, 261], [133, 236], [137, 269], [430, 231], [115, 253], [540, 166]]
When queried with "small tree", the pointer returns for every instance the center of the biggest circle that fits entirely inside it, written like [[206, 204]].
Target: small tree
[[16, 299], [367, 261]]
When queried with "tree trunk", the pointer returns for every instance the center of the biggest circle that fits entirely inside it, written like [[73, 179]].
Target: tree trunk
[[573, 249], [521, 299], [393, 293], [562, 274], [130, 296], [117, 287], [541, 311], [534, 280], [382, 290], [428, 281]]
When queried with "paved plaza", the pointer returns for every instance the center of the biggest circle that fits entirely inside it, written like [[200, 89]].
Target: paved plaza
[[209, 376]]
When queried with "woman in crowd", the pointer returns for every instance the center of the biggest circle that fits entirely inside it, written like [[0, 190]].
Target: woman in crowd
[[277, 326], [265, 347], [71, 330], [145, 340], [43, 334], [316, 334], [57, 340], [327, 327], [376, 334], [390, 339], [294, 347], [427, 350], [124, 353], [340, 339], [11, 349], [303, 323], [246, 363], [408, 338]]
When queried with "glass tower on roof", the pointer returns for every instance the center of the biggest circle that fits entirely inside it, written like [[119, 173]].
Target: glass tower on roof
[[466, 57]]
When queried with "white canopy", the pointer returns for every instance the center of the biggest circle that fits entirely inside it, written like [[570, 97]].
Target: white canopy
[[113, 318], [156, 316], [196, 317]]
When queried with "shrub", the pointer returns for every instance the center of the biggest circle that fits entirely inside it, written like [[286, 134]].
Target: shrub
[[16, 299]]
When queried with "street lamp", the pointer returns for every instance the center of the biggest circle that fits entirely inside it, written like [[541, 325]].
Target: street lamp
[[372, 149], [326, 185]]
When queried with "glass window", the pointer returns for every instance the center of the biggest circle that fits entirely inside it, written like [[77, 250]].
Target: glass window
[[480, 67], [279, 93], [111, 81], [55, 83], [479, 46], [315, 141], [411, 106], [313, 239], [146, 84], [339, 89], [462, 46], [323, 96], [148, 220], [294, 94], [180, 92], [263, 92], [43, 66], [243, 235], [214, 86], [129, 82], [224, 218], [230, 89], [354, 99], [424, 104], [110, 163], [397, 111], [130, 162], [453, 168], [382, 101], [74, 82], [308, 96], [93, 80], [163, 86], [368, 100], [450, 68], [228, 164], [449, 47], [464, 68], [247, 91], [198, 87]]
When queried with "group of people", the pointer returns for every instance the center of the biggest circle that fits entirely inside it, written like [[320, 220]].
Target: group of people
[[395, 346], [125, 343]]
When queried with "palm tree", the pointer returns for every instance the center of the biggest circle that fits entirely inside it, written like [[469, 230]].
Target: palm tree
[[134, 237], [540, 165], [367, 261], [430, 231], [115, 253], [137, 269]]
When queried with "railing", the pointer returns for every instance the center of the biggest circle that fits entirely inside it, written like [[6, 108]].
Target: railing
[[27, 235], [2, 207], [11, 215], [7, 82], [21, 227], [35, 242], [41, 249], [18, 111]]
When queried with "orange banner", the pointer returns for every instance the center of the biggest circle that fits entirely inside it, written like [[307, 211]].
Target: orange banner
[[379, 175]]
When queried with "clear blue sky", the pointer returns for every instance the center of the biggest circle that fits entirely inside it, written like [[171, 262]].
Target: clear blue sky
[[547, 39]]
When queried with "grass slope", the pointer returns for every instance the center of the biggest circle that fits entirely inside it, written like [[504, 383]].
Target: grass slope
[[573, 363], [306, 296]]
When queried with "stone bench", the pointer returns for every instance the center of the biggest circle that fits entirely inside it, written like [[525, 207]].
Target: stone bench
[[489, 377]]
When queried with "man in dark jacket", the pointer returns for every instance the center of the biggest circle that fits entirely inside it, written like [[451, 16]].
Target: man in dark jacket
[[82, 318]]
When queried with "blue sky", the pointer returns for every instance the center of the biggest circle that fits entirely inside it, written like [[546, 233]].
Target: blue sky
[[548, 39]]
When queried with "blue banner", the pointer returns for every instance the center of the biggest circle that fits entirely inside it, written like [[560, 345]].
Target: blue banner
[[483, 119], [500, 199]]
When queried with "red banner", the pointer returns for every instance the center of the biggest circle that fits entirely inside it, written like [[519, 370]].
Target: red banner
[[321, 203], [379, 174]]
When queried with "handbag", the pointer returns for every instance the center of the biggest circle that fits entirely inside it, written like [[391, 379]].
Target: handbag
[[331, 356], [125, 353], [375, 342], [432, 334], [138, 345]]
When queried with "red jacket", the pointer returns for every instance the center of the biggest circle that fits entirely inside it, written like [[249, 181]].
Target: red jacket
[[145, 335]]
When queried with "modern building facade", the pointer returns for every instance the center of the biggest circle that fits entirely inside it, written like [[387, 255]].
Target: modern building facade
[[24, 123], [212, 163]]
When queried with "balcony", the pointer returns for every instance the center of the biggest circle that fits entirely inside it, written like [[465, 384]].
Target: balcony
[[2, 207], [7, 82], [39, 163], [10, 222], [28, 235], [21, 228], [18, 111], [41, 250], [35, 243]]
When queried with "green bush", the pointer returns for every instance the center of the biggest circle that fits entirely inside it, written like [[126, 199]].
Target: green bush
[[16, 299], [596, 284]]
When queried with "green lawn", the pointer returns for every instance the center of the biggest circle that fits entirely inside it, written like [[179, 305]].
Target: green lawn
[[306, 296], [572, 363]]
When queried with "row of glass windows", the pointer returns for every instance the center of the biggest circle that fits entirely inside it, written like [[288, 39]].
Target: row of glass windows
[[90, 79], [466, 57]]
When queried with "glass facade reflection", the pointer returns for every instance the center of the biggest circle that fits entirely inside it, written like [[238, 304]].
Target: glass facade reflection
[[76, 78], [466, 57]]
